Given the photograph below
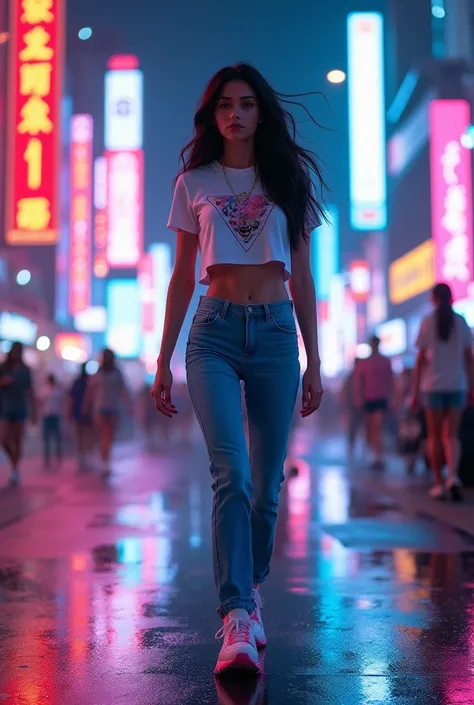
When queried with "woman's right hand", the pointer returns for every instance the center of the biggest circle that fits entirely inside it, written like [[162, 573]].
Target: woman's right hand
[[161, 391]]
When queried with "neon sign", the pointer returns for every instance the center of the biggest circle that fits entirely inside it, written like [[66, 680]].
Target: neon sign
[[36, 53], [451, 195]]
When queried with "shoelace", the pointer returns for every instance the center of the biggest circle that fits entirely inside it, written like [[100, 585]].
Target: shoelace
[[235, 630]]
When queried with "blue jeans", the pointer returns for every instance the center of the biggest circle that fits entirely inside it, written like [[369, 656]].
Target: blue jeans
[[256, 344]]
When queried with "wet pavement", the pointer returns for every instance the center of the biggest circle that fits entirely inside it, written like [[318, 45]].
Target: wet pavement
[[106, 592]]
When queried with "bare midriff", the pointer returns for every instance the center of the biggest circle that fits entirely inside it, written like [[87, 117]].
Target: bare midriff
[[244, 284]]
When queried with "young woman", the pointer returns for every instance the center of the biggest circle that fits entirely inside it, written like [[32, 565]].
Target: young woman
[[244, 198], [374, 389], [444, 373], [16, 400], [52, 411], [82, 422], [105, 393]]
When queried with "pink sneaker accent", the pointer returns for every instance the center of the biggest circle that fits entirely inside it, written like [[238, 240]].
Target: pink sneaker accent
[[257, 622], [239, 650]]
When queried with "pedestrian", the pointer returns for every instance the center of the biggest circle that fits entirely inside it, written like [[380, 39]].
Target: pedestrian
[[374, 380], [17, 399], [245, 198], [105, 394], [350, 411], [82, 421], [52, 403], [444, 374]]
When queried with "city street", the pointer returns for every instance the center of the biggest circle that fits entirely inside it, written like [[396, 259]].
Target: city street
[[106, 591]]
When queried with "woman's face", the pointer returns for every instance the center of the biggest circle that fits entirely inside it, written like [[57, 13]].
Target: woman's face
[[237, 113]]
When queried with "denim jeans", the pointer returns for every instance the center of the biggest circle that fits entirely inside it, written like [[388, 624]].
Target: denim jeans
[[256, 344]]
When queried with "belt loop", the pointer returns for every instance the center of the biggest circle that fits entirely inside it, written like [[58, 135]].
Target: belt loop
[[224, 309], [268, 317]]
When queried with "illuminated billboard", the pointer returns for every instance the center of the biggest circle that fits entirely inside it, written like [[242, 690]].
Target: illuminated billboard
[[124, 109], [123, 317], [325, 252], [393, 337], [101, 267], [412, 274], [451, 195], [124, 208], [33, 167], [366, 121], [81, 218]]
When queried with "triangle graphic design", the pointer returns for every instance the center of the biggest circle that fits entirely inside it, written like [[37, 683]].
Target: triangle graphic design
[[244, 217]]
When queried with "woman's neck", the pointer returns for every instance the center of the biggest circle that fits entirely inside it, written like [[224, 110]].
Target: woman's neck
[[238, 155]]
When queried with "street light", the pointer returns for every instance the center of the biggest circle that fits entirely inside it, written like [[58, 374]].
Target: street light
[[336, 76], [23, 277]]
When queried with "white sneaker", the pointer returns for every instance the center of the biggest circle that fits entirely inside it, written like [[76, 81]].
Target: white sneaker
[[239, 650], [437, 492], [257, 622]]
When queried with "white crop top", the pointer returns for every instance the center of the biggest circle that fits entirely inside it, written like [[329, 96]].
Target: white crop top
[[230, 230]]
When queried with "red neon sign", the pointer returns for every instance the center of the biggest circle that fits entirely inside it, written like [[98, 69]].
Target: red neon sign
[[451, 195], [81, 205], [124, 207], [36, 55]]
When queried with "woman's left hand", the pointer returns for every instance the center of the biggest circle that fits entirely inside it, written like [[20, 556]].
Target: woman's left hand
[[312, 390]]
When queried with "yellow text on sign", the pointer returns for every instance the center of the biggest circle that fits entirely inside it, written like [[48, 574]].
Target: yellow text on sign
[[35, 79], [33, 157], [36, 11], [33, 213], [412, 274], [37, 48], [35, 117]]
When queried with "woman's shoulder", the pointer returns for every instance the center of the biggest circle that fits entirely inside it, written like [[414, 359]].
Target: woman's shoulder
[[194, 177]]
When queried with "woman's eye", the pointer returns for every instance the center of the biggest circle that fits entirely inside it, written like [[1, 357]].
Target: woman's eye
[[248, 105], [223, 105]]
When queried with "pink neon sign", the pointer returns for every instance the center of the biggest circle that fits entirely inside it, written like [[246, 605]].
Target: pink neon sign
[[451, 195]]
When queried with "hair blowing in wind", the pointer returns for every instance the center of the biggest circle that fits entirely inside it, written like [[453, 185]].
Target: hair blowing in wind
[[283, 166]]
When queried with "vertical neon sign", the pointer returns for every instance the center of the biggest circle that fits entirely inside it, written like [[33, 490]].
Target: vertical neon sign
[[451, 195], [367, 121], [36, 54], [81, 206]]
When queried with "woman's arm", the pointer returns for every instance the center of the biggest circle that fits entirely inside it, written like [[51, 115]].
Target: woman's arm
[[304, 299], [469, 366], [420, 361], [180, 292]]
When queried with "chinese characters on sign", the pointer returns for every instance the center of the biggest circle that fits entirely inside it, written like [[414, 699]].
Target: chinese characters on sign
[[451, 195], [124, 208], [34, 107], [81, 206], [101, 266]]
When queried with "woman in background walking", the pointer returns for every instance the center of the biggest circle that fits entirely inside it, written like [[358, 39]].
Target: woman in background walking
[[444, 374], [105, 394], [17, 399], [52, 411]]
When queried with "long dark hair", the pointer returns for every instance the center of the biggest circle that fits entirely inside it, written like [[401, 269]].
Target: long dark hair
[[108, 360], [15, 355], [283, 166], [443, 300]]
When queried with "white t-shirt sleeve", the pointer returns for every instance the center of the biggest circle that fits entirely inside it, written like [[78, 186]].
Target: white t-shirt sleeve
[[422, 341], [466, 334], [182, 215]]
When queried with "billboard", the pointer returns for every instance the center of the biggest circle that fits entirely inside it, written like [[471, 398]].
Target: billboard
[[412, 274], [451, 195], [36, 55], [366, 121], [124, 109], [81, 219], [101, 267], [393, 337], [124, 208], [325, 252], [123, 317]]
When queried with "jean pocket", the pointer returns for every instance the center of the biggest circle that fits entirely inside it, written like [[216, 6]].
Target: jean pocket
[[284, 322], [204, 318]]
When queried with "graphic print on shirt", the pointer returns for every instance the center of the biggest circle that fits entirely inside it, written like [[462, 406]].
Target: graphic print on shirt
[[245, 217]]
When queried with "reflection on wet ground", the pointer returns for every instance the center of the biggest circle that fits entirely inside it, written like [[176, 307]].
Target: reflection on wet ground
[[106, 595]]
